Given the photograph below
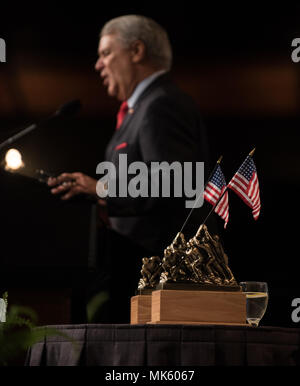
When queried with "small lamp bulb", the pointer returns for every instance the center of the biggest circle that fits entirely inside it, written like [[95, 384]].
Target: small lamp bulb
[[13, 160]]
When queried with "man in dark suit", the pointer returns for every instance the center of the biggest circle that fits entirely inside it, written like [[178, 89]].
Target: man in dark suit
[[157, 122]]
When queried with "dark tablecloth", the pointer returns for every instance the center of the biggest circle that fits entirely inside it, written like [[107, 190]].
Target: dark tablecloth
[[167, 345]]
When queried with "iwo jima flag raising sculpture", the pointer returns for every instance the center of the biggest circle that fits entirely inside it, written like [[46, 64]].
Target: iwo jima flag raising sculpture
[[201, 263]]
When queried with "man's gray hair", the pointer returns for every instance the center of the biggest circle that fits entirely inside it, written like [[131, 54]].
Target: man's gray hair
[[130, 28]]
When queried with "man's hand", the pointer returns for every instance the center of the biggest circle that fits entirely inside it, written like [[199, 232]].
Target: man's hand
[[73, 184]]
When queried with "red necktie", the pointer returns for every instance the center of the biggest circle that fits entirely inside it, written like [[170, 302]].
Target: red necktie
[[121, 114]]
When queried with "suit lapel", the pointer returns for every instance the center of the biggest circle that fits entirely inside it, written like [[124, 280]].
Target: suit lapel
[[161, 79]]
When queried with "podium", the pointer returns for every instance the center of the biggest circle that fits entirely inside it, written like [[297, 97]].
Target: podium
[[48, 250]]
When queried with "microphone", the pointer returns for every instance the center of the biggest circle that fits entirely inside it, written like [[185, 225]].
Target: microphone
[[68, 109]]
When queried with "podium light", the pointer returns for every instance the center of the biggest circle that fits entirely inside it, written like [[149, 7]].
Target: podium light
[[13, 163], [13, 160]]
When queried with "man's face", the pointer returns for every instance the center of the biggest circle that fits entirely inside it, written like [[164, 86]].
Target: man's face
[[115, 67]]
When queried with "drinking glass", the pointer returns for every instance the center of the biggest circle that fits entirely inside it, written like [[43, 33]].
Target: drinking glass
[[256, 300]]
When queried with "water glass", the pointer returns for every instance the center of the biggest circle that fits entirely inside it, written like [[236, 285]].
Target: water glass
[[256, 300]]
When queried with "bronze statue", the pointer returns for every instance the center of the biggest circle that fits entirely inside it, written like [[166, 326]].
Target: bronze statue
[[218, 258], [201, 261], [173, 262], [150, 272]]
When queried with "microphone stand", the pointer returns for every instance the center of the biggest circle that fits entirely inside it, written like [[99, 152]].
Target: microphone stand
[[23, 132]]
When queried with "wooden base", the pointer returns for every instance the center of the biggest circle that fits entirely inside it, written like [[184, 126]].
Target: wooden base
[[140, 310], [199, 307], [189, 307]]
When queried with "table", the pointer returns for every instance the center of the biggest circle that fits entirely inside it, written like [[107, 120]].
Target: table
[[167, 345]]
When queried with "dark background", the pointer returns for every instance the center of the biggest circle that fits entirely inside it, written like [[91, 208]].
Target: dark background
[[234, 60]]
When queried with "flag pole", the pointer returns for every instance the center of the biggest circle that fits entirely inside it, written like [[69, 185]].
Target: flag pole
[[211, 174], [225, 190]]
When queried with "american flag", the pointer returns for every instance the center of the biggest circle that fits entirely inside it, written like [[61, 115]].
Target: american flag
[[245, 184], [214, 190]]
